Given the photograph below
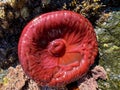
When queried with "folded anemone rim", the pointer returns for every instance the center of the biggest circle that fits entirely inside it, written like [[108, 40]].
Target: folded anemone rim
[[59, 71]]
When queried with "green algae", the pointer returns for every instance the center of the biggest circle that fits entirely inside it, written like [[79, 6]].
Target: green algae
[[108, 34]]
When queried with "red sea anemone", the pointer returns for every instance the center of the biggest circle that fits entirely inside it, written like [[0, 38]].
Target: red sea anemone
[[57, 48]]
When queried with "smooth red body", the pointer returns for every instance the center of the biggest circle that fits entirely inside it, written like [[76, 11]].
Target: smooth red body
[[57, 48]]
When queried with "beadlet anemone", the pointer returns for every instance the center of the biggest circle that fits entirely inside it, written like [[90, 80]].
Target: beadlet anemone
[[57, 48]]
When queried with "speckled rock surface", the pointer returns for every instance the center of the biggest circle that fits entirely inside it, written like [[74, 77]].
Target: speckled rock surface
[[17, 80], [89, 82], [108, 33]]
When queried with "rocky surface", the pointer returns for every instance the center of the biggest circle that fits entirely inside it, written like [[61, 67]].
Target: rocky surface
[[108, 33], [17, 80], [89, 82]]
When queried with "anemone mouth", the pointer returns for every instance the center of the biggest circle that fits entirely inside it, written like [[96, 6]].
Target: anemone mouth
[[57, 48]]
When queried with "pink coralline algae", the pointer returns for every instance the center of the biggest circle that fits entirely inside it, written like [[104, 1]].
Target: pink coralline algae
[[57, 48]]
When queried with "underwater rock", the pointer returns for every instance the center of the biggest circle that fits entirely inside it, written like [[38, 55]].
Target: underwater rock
[[16, 79]]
